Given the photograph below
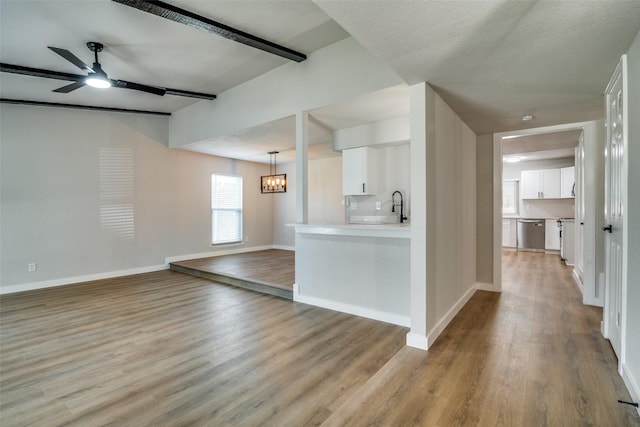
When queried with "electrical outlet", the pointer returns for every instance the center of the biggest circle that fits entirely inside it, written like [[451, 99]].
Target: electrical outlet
[[31, 267], [246, 238], [377, 206]]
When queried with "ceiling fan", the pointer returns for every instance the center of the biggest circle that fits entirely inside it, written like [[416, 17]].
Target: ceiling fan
[[95, 76]]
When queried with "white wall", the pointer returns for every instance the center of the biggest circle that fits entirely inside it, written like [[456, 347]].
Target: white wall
[[388, 131], [446, 151], [330, 75], [631, 372], [325, 191], [56, 195], [484, 220], [455, 211], [325, 198], [284, 210]]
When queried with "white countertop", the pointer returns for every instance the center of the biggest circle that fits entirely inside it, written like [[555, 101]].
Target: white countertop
[[554, 218], [400, 231]]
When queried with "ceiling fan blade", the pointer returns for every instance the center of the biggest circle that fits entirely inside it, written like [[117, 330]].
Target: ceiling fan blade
[[137, 86], [71, 58], [68, 88]]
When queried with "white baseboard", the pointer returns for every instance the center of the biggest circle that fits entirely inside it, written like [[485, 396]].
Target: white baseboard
[[356, 310], [417, 341], [485, 287], [447, 318], [632, 385], [217, 252], [284, 248], [112, 274], [576, 279], [79, 279]]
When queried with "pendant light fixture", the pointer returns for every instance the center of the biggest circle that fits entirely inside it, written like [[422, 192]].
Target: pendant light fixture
[[273, 183]]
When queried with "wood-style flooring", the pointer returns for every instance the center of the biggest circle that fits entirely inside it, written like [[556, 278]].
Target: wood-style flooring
[[270, 271], [166, 349], [530, 356]]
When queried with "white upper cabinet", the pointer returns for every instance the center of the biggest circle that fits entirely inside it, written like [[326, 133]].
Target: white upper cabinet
[[359, 171], [551, 184], [530, 184], [540, 184], [568, 182]]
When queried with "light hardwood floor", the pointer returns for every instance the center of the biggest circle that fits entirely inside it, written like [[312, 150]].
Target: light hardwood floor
[[168, 349], [270, 271], [274, 267]]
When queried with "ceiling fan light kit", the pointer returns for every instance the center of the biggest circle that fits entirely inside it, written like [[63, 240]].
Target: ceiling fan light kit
[[100, 82], [98, 79], [95, 77]]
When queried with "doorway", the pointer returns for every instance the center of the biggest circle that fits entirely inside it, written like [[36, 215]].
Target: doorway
[[538, 193], [593, 178]]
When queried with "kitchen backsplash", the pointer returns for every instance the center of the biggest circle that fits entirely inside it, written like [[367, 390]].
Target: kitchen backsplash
[[367, 205]]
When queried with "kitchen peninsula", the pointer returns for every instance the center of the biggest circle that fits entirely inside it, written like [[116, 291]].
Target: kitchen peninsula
[[361, 266], [356, 269]]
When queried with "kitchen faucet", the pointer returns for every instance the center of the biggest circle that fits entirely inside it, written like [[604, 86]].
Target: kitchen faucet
[[393, 205]]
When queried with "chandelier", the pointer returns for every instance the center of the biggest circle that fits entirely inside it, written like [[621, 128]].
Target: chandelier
[[273, 183]]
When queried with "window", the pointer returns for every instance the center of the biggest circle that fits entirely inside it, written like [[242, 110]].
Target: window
[[226, 209], [510, 197]]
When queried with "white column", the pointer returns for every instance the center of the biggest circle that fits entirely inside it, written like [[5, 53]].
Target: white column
[[417, 336], [302, 180]]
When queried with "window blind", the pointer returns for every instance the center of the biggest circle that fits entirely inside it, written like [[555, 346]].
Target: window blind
[[226, 209]]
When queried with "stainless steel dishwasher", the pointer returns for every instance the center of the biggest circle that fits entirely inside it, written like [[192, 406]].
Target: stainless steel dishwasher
[[531, 234]]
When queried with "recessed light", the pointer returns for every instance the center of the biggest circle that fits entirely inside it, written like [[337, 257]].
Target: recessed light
[[527, 117]]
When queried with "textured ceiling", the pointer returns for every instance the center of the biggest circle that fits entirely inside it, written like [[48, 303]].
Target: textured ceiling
[[491, 60], [543, 142], [254, 143], [147, 49]]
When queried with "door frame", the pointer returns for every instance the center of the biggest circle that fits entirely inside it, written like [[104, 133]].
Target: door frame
[[593, 241]]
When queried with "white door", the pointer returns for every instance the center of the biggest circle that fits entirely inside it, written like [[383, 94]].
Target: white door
[[615, 195]]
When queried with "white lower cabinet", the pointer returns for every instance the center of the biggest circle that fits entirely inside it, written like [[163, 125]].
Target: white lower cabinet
[[551, 235], [567, 253], [509, 233]]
